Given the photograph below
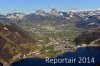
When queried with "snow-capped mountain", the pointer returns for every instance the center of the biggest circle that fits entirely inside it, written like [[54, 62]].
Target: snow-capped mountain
[[40, 13], [15, 15], [54, 12]]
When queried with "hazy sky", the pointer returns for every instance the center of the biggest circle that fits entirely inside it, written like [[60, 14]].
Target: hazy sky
[[31, 5]]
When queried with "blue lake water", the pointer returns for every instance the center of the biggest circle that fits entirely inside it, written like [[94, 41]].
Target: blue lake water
[[89, 52]]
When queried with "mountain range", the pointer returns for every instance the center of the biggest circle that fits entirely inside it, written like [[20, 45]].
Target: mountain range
[[43, 32]]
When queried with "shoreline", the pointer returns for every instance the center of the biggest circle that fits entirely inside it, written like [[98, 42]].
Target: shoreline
[[44, 56], [77, 47]]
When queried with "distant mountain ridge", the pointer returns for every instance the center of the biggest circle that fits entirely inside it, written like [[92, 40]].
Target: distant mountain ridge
[[82, 19], [53, 12]]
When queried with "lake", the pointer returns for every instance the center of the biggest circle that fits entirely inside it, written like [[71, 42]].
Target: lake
[[89, 56]]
